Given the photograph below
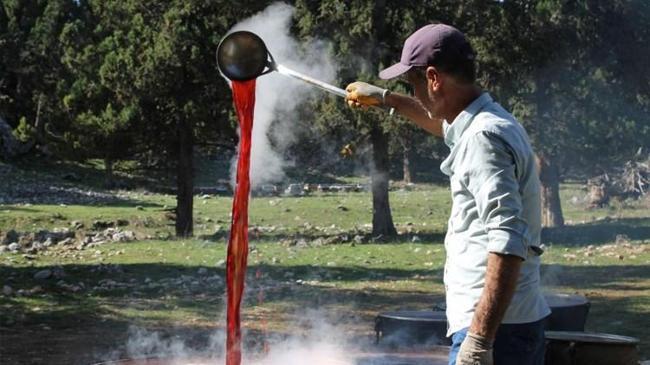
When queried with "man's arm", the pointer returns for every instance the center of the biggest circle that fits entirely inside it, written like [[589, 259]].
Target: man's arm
[[500, 285], [412, 109], [362, 94], [488, 171]]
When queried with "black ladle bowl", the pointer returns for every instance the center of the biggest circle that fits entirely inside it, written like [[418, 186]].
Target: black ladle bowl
[[242, 56]]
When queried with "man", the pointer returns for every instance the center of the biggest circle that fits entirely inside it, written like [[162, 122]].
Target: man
[[495, 308]]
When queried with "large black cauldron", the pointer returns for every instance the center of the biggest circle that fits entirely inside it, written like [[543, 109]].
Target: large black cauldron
[[413, 328]]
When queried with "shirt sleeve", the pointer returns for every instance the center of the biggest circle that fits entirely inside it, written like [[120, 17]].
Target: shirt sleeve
[[489, 173]]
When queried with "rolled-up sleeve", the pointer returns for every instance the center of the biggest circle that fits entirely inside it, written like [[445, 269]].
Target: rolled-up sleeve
[[489, 173]]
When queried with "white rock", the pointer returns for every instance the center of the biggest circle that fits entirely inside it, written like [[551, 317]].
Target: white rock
[[124, 236], [43, 274], [66, 241], [76, 224], [14, 247], [7, 290], [215, 279]]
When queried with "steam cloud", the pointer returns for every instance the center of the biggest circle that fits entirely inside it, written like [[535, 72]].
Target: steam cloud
[[323, 344], [277, 95]]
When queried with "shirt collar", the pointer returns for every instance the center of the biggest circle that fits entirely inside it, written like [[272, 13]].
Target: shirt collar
[[453, 131]]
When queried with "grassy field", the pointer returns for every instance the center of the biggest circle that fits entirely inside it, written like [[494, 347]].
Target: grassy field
[[310, 257]]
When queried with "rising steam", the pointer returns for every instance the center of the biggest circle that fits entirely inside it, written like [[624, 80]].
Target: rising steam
[[277, 95]]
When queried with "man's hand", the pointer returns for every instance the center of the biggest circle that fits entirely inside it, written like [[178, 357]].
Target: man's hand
[[361, 94], [475, 350]]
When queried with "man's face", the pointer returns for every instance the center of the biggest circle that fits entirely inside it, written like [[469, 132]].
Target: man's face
[[423, 91]]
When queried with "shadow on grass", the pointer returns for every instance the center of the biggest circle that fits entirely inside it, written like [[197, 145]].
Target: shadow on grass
[[18, 209], [68, 330], [594, 277], [597, 233], [43, 181], [54, 194], [112, 202]]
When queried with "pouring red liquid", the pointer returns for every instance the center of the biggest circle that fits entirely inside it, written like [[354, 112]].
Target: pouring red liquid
[[244, 97]]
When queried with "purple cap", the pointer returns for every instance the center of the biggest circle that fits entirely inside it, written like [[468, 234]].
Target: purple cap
[[428, 46]]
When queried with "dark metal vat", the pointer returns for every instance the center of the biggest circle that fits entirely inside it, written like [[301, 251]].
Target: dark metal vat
[[568, 312], [585, 348], [406, 328], [411, 328]]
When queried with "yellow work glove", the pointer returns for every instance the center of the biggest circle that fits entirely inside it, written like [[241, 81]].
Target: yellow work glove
[[475, 350], [362, 94]]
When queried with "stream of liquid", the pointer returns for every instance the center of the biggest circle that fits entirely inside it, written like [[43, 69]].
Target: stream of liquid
[[244, 96]]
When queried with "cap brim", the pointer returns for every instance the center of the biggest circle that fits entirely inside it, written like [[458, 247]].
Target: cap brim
[[394, 71]]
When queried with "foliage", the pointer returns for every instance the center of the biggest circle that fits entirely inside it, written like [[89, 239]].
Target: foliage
[[24, 131], [31, 72], [122, 79], [579, 83]]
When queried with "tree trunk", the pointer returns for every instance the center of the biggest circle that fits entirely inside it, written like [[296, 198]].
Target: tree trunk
[[38, 123], [382, 220], [41, 141], [109, 182], [598, 191], [185, 181], [8, 143], [549, 177], [406, 164], [11, 147]]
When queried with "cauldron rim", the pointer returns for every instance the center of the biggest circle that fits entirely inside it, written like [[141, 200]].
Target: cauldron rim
[[415, 315], [558, 300], [591, 337], [436, 353]]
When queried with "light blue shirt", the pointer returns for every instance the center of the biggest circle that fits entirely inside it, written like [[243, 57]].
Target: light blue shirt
[[496, 207]]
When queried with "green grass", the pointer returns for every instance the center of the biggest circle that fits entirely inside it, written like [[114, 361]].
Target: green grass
[[342, 280]]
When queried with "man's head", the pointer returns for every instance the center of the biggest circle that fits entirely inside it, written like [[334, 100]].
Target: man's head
[[438, 61]]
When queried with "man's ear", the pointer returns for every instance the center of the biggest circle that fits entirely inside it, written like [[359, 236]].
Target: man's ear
[[434, 78]]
